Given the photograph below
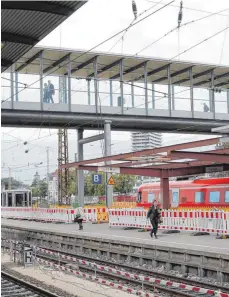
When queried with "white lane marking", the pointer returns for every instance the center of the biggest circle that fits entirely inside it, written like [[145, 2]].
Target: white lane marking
[[108, 236]]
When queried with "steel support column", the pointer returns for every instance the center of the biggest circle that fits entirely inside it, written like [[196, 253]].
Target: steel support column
[[132, 94], [96, 83], [121, 86], [191, 92], [12, 85], [227, 100], [111, 93], [153, 96], [146, 88], [41, 80], [212, 95], [69, 84], [80, 174], [109, 188], [88, 91], [164, 190], [169, 90], [16, 86], [173, 97]]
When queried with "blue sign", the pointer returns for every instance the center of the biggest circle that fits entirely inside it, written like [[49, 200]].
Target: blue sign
[[97, 179]]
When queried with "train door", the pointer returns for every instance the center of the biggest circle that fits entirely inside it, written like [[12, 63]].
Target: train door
[[175, 197]]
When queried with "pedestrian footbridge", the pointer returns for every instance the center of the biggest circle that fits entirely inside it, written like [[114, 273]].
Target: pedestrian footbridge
[[135, 93]]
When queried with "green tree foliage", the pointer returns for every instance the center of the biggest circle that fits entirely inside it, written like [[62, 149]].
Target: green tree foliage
[[15, 184], [124, 184], [39, 189]]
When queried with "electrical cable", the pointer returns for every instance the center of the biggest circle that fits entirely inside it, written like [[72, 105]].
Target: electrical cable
[[188, 8], [101, 43], [174, 29]]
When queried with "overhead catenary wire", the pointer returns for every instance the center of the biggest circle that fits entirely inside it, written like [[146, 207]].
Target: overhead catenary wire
[[99, 44], [175, 28]]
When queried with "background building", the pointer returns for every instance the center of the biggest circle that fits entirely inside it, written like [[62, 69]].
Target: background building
[[141, 141]]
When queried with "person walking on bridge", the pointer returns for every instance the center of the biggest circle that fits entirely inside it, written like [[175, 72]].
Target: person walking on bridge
[[154, 216]]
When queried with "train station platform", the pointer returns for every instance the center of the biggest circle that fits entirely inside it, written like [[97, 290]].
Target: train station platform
[[183, 240]]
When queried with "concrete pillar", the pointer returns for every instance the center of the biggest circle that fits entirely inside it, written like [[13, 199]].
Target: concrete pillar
[[107, 152], [69, 84], [88, 91], [146, 88], [80, 175], [164, 185], [169, 90], [191, 92], [27, 200], [111, 93]]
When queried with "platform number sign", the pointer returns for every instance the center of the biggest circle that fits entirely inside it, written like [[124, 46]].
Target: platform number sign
[[97, 179]]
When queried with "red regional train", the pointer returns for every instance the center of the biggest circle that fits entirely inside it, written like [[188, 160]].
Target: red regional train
[[198, 193]]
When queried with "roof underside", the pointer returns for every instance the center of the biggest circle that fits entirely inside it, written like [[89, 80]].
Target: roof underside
[[167, 161], [25, 23], [56, 63]]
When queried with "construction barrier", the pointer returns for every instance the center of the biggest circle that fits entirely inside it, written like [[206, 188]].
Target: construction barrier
[[47, 214], [203, 221]]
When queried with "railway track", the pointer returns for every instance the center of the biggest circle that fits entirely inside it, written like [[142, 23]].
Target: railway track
[[139, 280], [69, 258], [14, 287]]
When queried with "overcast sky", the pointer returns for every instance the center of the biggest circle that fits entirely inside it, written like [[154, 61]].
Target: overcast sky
[[91, 24]]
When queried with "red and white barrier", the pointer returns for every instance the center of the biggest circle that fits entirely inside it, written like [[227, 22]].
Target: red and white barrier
[[209, 221], [148, 279], [47, 214]]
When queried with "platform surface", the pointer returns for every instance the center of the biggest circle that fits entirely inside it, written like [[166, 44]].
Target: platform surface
[[205, 243]]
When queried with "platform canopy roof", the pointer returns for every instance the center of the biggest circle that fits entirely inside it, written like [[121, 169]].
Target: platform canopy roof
[[190, 158], [82, 66], [25, 23]]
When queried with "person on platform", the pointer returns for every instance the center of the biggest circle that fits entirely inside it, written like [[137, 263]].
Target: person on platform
[[46, 93], [51, 91], [154, 214], [79, 217]]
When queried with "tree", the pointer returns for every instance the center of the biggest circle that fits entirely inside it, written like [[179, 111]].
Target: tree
[[124, 183], [39, 189], [15, 184]]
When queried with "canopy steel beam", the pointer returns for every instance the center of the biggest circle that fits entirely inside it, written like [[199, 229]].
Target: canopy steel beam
[[154, 151], [174, 74], [84, 64], [46, 7], [23, 39], [219, 158], [105, 68], [30, 60], [209, 80], [152, 72], [129, 70], [57, 63], [197, 75], [162, 173]]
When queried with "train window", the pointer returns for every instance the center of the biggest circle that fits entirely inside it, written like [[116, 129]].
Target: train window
[[175, 198], [227, 196], [214, 197], [151, 197], [199, 197], [139, 196]]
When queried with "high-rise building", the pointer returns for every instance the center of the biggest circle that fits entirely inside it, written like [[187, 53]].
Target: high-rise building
[[36, 177], [141, 141], [145, 140]]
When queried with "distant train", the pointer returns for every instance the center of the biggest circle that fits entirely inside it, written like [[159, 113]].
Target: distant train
[[190, 193]]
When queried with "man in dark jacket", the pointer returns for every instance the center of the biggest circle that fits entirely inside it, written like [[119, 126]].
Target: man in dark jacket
[[51, 91], [154, 216]]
